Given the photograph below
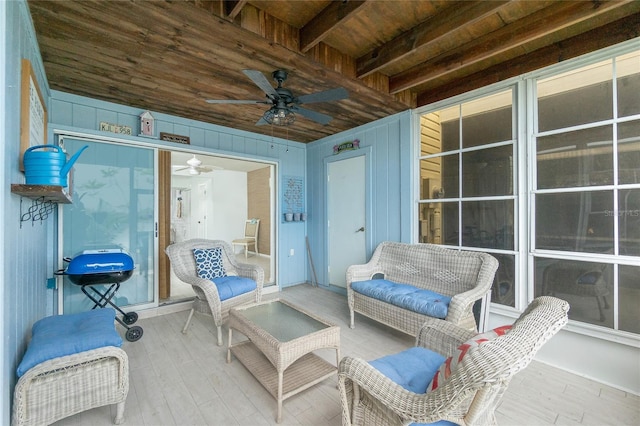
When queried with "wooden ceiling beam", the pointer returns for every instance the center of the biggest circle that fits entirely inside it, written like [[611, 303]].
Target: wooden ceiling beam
[[321, 25], [599, 38], [540, 24], [430, 32], [233, 7]]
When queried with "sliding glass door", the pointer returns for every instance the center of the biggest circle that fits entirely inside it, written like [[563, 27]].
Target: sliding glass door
[[113, 206]]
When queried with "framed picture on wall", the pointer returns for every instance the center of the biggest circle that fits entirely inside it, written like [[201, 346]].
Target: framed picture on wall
[[33, 111]]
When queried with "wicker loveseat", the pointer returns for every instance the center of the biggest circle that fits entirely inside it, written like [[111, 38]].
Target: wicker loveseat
[[410, 283]]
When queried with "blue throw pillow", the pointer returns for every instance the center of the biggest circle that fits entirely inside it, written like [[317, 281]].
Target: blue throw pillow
[[61, 335], [232, 286], [209, 263]]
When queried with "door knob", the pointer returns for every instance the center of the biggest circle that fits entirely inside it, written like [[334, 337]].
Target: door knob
[[361, 229]]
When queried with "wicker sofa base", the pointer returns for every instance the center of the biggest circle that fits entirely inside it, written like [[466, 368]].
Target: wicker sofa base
[[68, 385], [393, 316]]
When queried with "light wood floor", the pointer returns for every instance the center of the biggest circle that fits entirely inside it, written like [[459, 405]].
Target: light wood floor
[[181, 379]]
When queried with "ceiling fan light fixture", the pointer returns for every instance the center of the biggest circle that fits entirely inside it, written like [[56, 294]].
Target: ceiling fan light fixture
[[279, 116], [194, 171]]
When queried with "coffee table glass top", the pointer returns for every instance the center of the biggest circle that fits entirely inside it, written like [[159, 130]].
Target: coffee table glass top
[[281, 320]]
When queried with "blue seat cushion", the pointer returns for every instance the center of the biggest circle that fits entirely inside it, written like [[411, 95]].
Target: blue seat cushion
[[412, 369], [405, 296], [61, 335], [231, 286]]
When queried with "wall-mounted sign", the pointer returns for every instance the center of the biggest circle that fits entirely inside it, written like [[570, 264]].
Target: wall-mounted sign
[[347, 146], [33, 111], [115, 128], [174, 138]]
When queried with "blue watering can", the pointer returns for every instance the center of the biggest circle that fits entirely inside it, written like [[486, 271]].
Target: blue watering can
[[48, 165]]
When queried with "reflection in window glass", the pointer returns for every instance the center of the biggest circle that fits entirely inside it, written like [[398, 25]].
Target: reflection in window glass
[[628, 81], [576, 97], [440, 177], [503, 288], [629, 298], [450, 217], [629, 222], [488, 224], [587, 286], [488, 172], [572, 159], [487, 120], [629, 151], [450, 128], [575, 221]]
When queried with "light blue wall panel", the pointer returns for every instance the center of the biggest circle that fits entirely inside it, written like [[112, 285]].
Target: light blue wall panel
[[26, 251], [81, 114], [389, 177]]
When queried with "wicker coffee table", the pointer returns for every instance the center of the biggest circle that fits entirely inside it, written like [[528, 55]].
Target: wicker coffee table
[[278, 353]]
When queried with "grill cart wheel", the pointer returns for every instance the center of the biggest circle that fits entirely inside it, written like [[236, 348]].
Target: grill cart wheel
[[130, 318], [134, 333]]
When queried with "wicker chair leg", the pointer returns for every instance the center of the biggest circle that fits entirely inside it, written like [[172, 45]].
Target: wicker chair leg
[[352, 324], [219, 336], [184, 330], [119, 413]]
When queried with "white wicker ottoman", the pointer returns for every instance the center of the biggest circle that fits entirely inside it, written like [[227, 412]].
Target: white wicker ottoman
[[64, 385]]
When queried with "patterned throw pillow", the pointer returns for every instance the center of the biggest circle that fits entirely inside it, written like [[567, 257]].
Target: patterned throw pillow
[[209, 263], [452, 362]]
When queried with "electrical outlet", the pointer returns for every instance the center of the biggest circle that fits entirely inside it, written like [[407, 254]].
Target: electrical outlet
[[291, 252], [51, 283]]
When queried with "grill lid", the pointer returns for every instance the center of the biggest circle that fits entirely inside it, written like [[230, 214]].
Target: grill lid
[[100, 262]]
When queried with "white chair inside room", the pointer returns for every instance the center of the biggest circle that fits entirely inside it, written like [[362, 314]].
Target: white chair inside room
[[250, 237]]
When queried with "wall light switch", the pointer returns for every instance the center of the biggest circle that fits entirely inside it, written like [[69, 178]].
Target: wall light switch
[[291, 252]]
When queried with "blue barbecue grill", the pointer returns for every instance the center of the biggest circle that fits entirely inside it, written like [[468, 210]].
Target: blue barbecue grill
[[92, 270]]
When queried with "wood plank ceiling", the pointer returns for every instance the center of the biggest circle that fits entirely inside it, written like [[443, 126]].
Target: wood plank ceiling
[[170, 56]]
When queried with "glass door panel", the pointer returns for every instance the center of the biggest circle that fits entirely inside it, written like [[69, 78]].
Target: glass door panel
[[113, 207]]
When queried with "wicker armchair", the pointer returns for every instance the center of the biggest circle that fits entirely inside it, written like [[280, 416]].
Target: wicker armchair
[[465, 276], [207, 299], [470, 395], [68, 385]]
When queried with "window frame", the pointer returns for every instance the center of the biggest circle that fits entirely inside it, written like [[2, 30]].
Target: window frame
[[525, 111]]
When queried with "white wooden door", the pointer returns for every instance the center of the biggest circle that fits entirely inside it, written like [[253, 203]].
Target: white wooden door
[[346, 216]]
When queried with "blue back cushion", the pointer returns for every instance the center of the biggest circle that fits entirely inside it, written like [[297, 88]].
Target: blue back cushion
[[62, 335], [209, 263], [232, 286]]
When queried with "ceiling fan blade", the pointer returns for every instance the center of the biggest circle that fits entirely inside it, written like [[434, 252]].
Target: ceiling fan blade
[[261, 81], [232, 101], [261, 122], [312, 115], [325, 96], [179, 168]]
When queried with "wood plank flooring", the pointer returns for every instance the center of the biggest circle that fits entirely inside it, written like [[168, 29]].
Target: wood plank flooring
[[178, 379]]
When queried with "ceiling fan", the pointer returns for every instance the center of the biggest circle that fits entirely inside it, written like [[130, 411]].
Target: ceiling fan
[[284, 104], [195, 167]]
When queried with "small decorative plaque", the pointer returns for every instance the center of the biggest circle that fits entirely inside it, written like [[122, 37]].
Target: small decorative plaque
[[174, 138], [347, 146]]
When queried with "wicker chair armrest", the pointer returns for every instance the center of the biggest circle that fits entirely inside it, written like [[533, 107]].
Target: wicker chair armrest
[[462, 303], [72, 360], [255, 272], [362, 272], [407, 405], [442, 336]]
